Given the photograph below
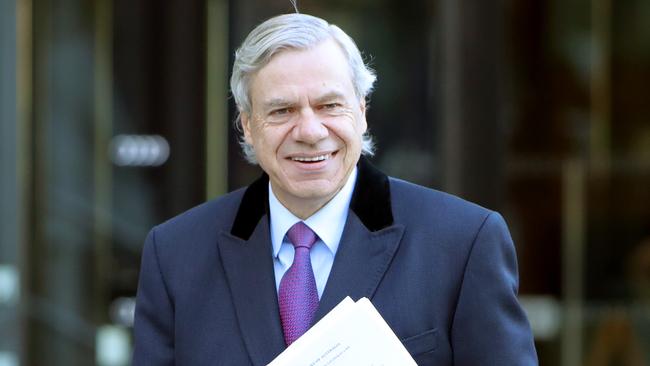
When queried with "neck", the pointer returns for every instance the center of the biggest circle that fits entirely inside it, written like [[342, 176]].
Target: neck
[[303, 208]]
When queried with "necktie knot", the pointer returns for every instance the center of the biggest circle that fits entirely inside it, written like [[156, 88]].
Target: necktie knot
[[301, 236]]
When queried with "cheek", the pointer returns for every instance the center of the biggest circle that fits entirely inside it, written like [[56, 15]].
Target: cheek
[[270, 139], [346, 125], [355, 132]]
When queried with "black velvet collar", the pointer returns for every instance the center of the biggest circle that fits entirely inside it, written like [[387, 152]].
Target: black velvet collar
[[370, 201]]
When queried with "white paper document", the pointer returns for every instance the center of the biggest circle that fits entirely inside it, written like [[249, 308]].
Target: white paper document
[[352, 334]]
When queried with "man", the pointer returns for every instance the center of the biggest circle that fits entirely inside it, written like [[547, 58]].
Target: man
[[235, 280]]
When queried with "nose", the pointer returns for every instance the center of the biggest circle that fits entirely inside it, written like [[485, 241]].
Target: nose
[[309, 128]]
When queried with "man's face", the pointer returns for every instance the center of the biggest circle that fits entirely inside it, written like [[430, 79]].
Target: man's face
[[306, 125]]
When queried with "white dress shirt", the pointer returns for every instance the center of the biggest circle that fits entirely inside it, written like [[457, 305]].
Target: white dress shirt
[[327, 223]]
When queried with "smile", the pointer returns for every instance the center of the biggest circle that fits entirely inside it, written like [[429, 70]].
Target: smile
[[309, 159]]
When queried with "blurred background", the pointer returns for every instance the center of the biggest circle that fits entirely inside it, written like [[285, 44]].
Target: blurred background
[[115, 116]]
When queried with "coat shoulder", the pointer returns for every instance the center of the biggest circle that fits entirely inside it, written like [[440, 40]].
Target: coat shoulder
[[410, 199], [205, 220]]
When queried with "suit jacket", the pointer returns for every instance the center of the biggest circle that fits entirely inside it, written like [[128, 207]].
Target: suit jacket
[[441, 271]]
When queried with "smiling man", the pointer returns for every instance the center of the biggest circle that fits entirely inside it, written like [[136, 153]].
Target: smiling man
[[237, 279]]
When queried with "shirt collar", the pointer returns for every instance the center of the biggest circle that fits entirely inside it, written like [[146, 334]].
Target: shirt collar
[[328, 222]]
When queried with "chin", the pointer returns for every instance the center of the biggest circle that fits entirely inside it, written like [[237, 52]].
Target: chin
[[314, 190]]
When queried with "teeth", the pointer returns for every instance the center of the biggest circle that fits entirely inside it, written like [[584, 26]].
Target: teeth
[[314, 158]]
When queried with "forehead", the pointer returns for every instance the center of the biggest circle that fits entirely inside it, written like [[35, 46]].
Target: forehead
[[293, 73]]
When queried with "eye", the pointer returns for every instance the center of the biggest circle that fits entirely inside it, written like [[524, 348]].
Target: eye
[[280, 111], [330, 106]]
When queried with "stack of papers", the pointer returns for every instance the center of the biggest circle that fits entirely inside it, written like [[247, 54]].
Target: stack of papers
[[351, 334]]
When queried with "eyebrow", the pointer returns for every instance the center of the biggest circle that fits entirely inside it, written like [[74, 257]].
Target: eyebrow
[[276, 102], [329, 96], [282, 102]]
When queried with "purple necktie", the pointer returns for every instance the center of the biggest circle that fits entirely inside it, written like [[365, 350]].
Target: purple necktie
[[298, 297]]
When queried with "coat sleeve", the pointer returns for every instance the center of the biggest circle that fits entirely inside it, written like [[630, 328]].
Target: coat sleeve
[[154, 312], [489, 326]]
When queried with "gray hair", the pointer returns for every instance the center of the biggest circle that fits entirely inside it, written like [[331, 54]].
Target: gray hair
[[293, 31]]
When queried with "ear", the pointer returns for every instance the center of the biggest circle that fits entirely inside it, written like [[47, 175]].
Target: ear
[[245, 120]]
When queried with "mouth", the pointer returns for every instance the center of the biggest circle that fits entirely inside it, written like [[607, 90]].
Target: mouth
[[311, 159]]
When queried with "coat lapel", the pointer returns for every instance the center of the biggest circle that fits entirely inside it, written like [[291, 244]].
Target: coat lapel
[[249, 271], [361, 262]]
